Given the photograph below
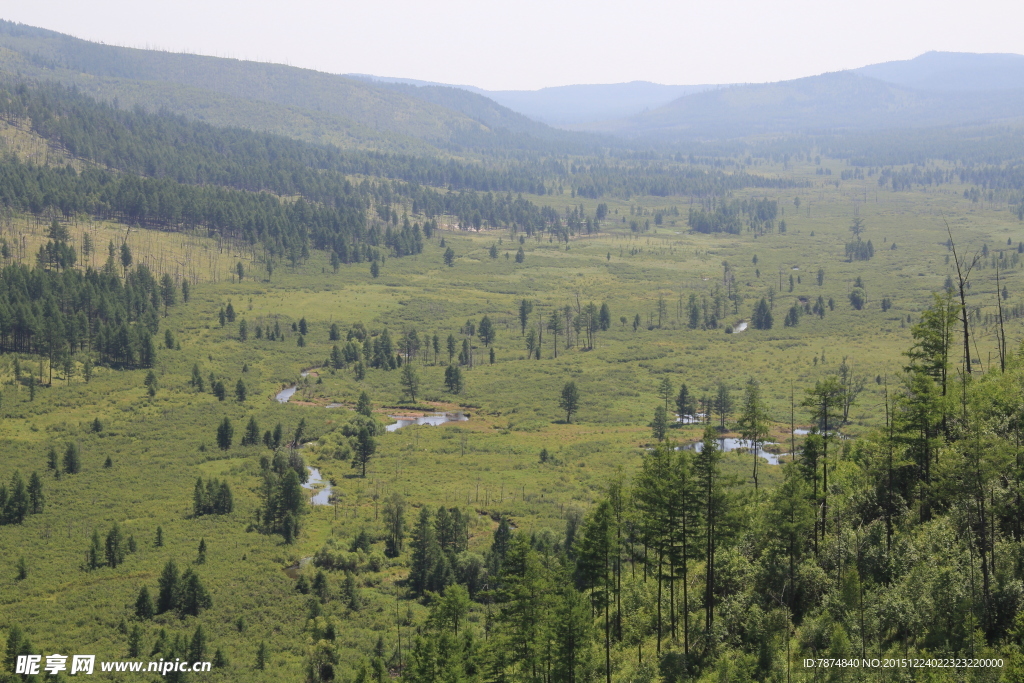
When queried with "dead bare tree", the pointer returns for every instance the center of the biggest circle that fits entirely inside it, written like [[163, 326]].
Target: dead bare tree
[[962, 279]]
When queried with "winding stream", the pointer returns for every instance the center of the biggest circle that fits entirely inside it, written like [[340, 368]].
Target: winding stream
[[321, 489], [285, 394]]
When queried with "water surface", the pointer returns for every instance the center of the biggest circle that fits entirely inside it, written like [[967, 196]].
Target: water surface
[[730, 444], [434, 420], [321, 489]]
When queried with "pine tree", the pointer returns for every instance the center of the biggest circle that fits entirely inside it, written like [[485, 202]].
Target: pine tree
[[723, 403], [252, 433], [486, 331], [144, 604], [525, 308], [659, 425], [762, 319], [453, 379], [410, 382], [192, 596], [262, 656], [665, 390], [72, 459], [197, 379], [114, 550], [714, 504], [569, 401], [684, 402], [426, 553], [135, 641], [167, 598], [197, 646], [753, 422], [17, 504], [366, 446], [394, 525], [595, 554], [225, 433], [94, 557], [605, 318], [150, 383], [320, 588], [364, 406]]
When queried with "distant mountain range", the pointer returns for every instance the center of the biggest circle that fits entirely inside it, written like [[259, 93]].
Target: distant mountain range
[[417, 117], [829, 103], [934, 89], [569, 105], [952, 72]]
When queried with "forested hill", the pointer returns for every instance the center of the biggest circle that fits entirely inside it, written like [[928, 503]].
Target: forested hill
[[302, 103], [186, 171], [164, 145]]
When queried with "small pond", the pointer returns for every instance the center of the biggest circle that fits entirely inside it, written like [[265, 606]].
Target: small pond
[[321, 489], [728, 444], [285, 394], [434, 420]]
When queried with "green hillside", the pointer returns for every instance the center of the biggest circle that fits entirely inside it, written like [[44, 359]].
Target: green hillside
[[311, 105]]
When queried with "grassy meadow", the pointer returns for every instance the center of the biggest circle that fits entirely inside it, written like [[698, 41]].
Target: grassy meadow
[[489, 464]]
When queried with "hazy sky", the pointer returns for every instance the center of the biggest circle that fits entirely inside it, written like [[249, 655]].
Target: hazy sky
[[530, 44]]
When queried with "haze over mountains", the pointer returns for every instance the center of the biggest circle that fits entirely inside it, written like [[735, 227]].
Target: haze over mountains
[[569, 105], [402, 115], [933, 89]]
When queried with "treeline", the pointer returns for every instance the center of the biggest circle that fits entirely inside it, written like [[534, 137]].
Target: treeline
[[757, 215], [60, 314], [596, 179], [284, 228], [985, 178]]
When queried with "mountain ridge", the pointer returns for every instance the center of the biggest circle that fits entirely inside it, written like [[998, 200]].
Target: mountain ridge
[[322, 107]]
